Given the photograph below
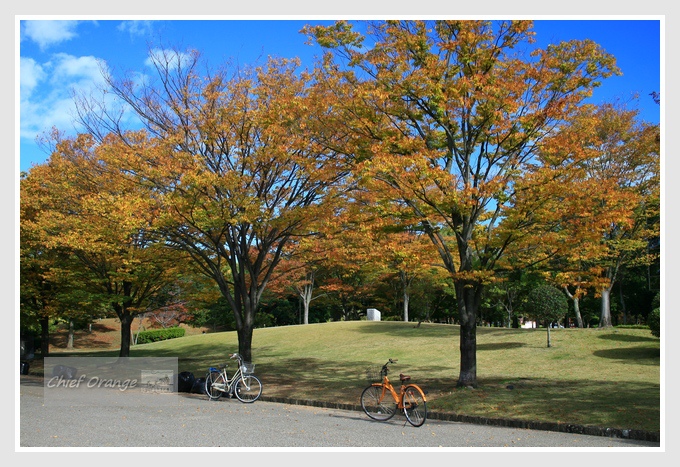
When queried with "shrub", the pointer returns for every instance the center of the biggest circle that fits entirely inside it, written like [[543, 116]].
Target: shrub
[[654, 322], [656, 301], [547, 303], [155, 335]]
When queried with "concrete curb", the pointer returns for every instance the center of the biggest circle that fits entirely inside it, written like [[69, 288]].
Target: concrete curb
[[639, 435]]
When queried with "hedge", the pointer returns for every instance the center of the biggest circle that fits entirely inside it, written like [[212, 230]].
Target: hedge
[[155, 335]]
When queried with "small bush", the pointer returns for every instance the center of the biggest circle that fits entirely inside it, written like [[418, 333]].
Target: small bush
[[155, 335], [654, 322], [547, 303]]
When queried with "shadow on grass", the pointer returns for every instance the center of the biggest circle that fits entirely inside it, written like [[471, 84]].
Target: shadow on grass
[[627, 338], [637, 355], [622, 405], [500, 346], [600, 403], [408, 329], [83, 340]]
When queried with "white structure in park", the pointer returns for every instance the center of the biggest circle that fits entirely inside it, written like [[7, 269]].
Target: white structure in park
[[373, 314]]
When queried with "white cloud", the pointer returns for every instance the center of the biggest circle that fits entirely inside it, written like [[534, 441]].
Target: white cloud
[[136, 28], [31, 74], [38, 117], [47, 91], [46, 33], [69, 69]]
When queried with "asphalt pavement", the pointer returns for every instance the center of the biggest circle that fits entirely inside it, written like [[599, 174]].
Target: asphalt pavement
[[191, 421]]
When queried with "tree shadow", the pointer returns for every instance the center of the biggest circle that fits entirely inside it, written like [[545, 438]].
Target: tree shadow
[[560, 400], [637, 355], [81, 340], [500, 346], [406, 329], [627, 338]]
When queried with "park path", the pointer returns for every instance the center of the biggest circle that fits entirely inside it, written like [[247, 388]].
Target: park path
[[192, 421]]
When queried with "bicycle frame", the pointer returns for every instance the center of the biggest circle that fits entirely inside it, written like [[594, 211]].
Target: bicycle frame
[[230, 382], [243, 384], [387, 387]]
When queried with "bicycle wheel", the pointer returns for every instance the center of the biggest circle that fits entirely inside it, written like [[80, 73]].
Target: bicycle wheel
[[213, 381], [378, 403], [248, 389], [415, 407]]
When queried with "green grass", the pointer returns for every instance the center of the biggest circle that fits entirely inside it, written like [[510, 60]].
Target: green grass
[[591, 377]]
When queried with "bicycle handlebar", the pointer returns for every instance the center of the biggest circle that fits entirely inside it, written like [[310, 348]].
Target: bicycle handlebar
[[391, 360], [385, 370]]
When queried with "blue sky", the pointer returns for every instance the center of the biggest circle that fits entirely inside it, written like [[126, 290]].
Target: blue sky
[[57, 56]]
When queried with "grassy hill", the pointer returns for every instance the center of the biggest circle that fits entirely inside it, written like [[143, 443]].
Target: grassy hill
[[591, 377]]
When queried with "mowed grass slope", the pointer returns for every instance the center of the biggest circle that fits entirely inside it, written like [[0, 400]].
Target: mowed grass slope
[[592, 377]]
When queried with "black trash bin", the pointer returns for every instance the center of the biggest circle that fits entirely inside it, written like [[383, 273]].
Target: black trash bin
[[185, 381], [199, 386]]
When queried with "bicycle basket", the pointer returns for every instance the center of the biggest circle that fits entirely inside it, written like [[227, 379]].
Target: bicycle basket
[[248, 368], [374, 374]]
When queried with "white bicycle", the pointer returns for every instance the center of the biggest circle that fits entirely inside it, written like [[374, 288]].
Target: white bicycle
[[243, 384]]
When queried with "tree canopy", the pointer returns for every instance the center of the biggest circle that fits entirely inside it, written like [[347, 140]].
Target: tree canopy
[[449, 152]]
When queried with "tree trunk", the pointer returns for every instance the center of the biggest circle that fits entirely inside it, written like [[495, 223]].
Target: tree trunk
[[306, 293], [305, 306], [69, 341], [406, 284], [247, 298], [406, 300], [243, 301], [467, 297], [125, 333], [44, 337], [577, 312], [547, 326], [605, 311], [245, 341], [577, 309]]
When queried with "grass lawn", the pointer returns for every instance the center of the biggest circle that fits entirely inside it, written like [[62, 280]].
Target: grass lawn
[[591, 377]]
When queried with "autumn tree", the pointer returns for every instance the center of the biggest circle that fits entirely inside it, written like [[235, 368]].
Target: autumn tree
[[40, 287], [616, 176], [629, 168], [446, 117], [351, 260], [404, 253], [299, 270], [238, 170], [86, 208]]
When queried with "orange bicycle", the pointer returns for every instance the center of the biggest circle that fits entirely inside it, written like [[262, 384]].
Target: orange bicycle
[[381, 401]]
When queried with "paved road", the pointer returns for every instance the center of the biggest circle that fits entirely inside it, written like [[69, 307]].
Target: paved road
[[192, 421]]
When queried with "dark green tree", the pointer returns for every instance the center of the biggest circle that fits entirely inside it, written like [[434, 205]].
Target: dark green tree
[[547, 303]]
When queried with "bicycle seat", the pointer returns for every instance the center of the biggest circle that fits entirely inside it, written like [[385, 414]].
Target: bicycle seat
[[404, 377]]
